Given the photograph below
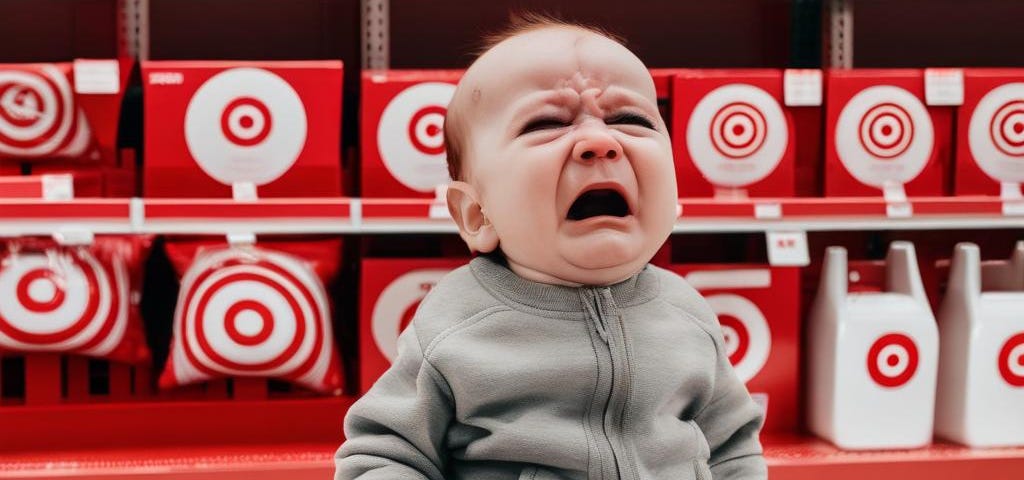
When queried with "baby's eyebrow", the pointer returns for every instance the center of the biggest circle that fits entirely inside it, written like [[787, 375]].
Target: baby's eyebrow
[[537, 100], [615, 97]]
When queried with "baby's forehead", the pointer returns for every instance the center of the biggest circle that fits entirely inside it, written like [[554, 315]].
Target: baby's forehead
[[544, 59]]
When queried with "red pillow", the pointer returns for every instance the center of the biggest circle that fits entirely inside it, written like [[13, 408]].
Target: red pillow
[[250, 311], [74, 299]]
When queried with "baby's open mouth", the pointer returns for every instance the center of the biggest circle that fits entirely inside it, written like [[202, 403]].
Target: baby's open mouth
[[593, 203]]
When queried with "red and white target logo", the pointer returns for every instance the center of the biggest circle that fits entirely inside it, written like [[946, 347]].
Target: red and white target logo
[[745, 331], [1011, 360], [245, 125], [892, 360], [737, 135], [396, 306], [884, 135], [252, 312], [63, 301], [410, 135], [37, 112], [996, 133]]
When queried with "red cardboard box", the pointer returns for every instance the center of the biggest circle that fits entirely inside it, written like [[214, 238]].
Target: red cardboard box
[[40, 118], [990, 131], [758, 308], [732, 134], [391, 292], [210, 125], [879, 131], [402, 131]]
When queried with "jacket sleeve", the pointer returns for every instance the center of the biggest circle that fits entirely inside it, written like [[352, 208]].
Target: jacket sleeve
[[396, 430], [731, 421]]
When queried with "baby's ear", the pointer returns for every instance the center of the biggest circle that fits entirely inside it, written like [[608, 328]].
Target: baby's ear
[[474, 227]]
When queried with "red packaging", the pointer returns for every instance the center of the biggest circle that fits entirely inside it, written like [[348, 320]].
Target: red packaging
[[990, 131], [391, 292], [402, 131], [254, 311], [880, 132], [40, 117], [758, 308], [210, 125], [732, 134], [73, 299]]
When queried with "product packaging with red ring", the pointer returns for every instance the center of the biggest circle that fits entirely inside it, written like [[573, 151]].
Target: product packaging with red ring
[[254, 310]]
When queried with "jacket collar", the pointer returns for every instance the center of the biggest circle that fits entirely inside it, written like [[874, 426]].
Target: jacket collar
[[495, 276]]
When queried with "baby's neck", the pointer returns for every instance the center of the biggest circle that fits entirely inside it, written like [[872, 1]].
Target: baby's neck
[[541, 277]]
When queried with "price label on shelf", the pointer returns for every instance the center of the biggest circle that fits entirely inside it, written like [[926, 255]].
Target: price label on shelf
[[97, 76], [788, 249], [801, 87], [944, 86]]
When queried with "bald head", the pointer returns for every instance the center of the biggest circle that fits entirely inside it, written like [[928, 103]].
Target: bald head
[[541, 55]]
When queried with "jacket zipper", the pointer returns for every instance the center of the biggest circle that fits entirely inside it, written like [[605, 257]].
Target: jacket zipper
[[612, 406]]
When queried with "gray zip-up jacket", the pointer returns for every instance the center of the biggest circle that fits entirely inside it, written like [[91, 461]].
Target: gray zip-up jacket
[[498, 377]]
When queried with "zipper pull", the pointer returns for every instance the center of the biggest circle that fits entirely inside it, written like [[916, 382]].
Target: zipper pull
[[592, 303]]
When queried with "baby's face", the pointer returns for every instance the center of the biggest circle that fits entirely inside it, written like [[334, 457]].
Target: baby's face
[[569, 156]]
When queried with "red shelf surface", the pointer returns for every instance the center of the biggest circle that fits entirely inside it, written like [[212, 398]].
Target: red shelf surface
[[789, 458]]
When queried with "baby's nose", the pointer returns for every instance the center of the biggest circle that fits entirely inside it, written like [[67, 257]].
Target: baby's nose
[[597, 145]]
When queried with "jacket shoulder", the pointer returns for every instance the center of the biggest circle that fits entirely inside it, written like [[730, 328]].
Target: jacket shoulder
[[458, 296], [676, 291]]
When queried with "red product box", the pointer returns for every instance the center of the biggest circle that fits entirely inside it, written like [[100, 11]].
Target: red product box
[[211, 125], [990, 131], [758, 308], [402, 129], [40, 117], [733, 134], [391, 292], [880, 134]]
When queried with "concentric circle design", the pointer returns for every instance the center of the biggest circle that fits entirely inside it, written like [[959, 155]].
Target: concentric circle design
[[745, 330], [37, 112], [886, 130], [397, 304], [1011, 360], [62, 300], [410, 135], [245, 125], [884, 135], [892, 360], [252, 313], [737, 135], [996, 133]]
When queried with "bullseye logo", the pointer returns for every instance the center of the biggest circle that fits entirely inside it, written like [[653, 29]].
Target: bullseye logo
[[737, 135], [886, 130], [252, 313], [745, 331], [996, 133], [1011, 360], [396, 306], [410, 135], [245, 125], [56, 301], [37, 114], [892, 360], [884, 135], [738, 130]]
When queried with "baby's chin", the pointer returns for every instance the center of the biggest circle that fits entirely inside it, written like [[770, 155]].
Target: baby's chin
[[602, 261]]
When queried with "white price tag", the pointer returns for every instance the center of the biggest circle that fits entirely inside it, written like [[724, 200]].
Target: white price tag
[[767, 210], [1013, 208], [97, 76], [244, 191], [58, 187], [897, 205], [439, 212], [801, 87], [944, 86], [787, 249]]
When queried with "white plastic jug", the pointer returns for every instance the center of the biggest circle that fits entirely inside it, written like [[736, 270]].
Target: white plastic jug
[[980, 400], [872, 357]]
